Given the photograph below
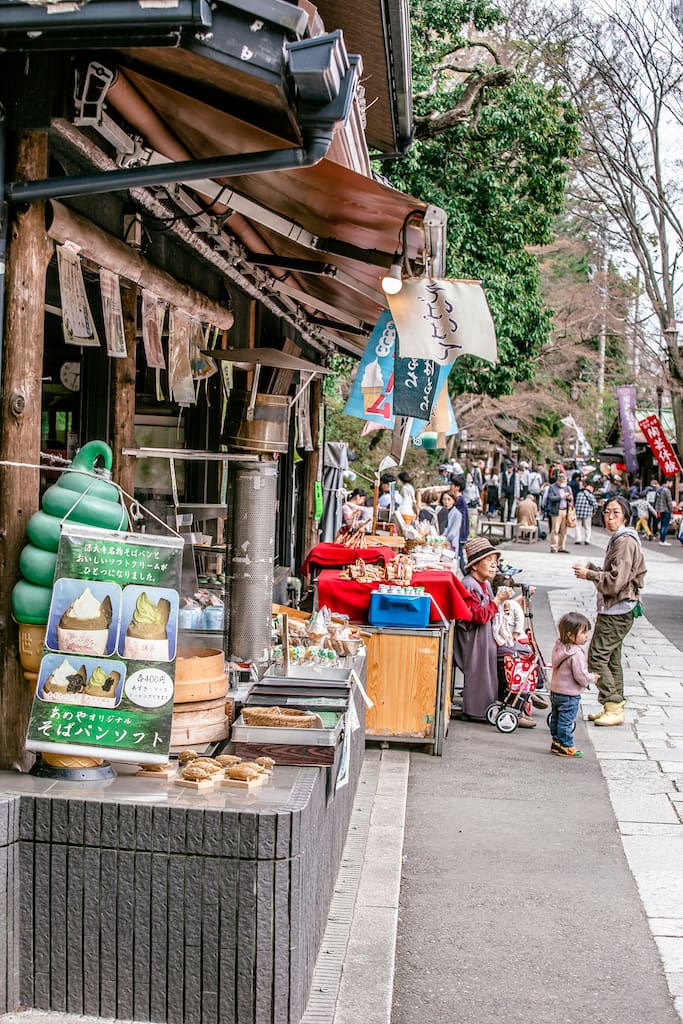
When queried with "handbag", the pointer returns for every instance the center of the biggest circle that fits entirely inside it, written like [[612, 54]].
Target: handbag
[[571, 516]]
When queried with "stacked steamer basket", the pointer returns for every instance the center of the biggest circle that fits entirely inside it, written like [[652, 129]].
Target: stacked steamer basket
[[201, 711]]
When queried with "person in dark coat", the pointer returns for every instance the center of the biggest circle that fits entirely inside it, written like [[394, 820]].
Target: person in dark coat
[[476, 650]]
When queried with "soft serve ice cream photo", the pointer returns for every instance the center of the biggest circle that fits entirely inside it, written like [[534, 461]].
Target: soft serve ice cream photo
[[149, 624], [372, 384], [83, 617]]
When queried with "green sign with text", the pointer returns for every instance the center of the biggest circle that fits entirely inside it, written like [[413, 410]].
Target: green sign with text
[[105, 686]]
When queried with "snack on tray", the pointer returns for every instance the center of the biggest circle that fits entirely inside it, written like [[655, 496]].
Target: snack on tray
[[225, 760], [187, 755], [153, 769], [266, 762], [66, 683], [84, 626], [146, 637], [195, 773], [242, 772], [208, 764]]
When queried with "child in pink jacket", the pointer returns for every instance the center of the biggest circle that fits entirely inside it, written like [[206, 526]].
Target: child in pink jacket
[[569, 679]]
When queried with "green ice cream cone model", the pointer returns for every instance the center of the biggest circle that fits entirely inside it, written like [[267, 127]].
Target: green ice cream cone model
[[77, 497]]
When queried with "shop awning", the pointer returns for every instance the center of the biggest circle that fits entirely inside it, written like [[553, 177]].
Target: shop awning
[[347, 224]]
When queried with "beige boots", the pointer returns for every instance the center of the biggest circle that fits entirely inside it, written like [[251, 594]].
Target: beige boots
[[613, 714]]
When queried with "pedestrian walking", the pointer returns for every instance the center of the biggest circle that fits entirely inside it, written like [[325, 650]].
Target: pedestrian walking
[[664, 507], [642, 507], [509, 491], [618, 582], [558, 501], [570, 677], [586, 507]]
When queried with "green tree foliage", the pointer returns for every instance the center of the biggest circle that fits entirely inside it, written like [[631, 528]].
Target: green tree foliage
[[492, 149]]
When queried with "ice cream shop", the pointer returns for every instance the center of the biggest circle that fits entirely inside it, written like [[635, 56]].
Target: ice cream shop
[[190, 228]]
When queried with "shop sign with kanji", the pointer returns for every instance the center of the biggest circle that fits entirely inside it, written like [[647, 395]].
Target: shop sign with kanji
[[105, 686], [661, 449]]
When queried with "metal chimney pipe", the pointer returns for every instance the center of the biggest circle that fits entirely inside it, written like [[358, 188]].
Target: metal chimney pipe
[[252, 495]]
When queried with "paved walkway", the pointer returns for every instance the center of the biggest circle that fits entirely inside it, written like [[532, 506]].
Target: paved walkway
[[643, 763], [535, 888]]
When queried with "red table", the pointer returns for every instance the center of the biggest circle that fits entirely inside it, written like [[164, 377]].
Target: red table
[[336, 554], [348, 597]]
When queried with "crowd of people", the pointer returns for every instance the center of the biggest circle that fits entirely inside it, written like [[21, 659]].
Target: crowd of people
[[560, 506]]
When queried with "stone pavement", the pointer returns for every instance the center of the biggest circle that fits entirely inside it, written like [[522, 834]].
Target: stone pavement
[[642, 762]]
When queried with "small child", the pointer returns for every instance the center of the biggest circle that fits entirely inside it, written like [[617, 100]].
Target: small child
[[569, 679]]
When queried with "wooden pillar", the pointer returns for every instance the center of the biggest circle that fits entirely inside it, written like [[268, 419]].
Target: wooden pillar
[[122, 421], [314, 460], [20, 417]]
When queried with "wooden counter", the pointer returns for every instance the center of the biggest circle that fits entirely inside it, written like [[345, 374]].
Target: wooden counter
[[409, 682]]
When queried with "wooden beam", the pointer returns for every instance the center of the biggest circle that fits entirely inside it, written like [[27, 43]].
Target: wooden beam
[[122, 422], [20, 420]]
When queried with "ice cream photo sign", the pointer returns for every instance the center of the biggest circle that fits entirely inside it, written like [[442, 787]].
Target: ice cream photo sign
[[105, 686]]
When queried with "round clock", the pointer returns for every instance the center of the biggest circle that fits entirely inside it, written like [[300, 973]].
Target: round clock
[[70, 376]]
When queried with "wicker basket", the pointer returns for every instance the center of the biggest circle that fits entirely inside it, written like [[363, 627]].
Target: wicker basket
[[288, 718]]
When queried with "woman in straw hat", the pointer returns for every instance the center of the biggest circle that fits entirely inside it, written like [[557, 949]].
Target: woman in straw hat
[[475, 646]]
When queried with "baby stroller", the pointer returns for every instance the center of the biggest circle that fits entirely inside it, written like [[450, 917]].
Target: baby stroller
[[521, 674], [524, 672]]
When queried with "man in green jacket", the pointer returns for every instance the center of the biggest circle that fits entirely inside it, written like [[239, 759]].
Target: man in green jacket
[[618, 582]]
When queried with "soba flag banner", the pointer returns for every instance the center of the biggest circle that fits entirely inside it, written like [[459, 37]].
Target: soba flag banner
[[441, 319]]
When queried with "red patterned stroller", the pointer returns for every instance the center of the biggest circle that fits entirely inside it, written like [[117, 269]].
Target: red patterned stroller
[[521, 675]]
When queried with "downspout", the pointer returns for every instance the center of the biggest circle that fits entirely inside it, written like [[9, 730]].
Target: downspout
[[321, 108], [312, 152]]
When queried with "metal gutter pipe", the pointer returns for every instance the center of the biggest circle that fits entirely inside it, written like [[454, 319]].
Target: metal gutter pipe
[[312, 152]]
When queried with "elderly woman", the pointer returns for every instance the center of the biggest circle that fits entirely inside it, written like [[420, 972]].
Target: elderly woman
[[476, 651]]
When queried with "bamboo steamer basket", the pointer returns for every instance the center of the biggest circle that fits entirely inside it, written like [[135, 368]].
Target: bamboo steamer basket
[[199, 675], [194, 735]]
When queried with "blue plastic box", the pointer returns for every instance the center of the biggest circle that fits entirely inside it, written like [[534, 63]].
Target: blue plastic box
[[399, 610]]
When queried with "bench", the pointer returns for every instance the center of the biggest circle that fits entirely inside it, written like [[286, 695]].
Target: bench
[[495, 528], [526, 534]]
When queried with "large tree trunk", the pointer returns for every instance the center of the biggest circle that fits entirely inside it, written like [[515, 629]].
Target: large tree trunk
[[122, 427], [20, 415]]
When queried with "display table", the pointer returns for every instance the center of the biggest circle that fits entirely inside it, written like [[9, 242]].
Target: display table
[[349, 597], [327, 555]]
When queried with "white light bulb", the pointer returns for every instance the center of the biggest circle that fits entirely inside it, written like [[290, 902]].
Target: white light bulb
[[393, 281]]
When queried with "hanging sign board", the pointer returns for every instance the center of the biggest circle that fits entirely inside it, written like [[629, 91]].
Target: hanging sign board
[[661, 449], [105, 686]]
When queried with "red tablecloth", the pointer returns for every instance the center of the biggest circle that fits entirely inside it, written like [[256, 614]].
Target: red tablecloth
[[348, 597], [336, 554]]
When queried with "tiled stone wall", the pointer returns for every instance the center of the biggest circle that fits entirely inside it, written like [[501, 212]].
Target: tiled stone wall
[[174, 914], [9, 892]]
